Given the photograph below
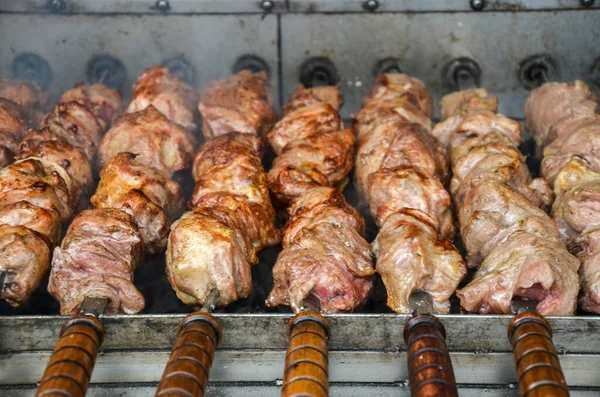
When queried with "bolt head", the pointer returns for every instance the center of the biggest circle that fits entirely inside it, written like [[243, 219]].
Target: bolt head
[[267, 5], [163, 5], [477, 5], [586, 3], [371, 5]]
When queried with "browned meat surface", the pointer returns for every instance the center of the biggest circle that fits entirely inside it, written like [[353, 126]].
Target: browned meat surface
[[564, 118], [411, 257], [400, 170], [39, 182], [552, 102], [25, 259], [47, 144], [313, 147], [77, 125], [304, 97], [151, 199], [98, 256], [168, 94], [390, 86], [525, 265], [212, 248], [40, 220], [395, 144], [461, 101], [31, 100], [102, 101], [242, 103], [12, 129], [394, 189], [513, 242], [325, 263], [158, 142]]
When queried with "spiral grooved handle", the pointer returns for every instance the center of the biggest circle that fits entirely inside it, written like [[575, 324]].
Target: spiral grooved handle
[[306, 370], [538, 368], [70, 367], [429, 365], [188, 368]]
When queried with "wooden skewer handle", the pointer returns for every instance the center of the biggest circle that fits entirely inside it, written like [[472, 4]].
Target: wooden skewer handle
[[538, 368], [306, 370], [187, 370], [70, 367], [429, 366]]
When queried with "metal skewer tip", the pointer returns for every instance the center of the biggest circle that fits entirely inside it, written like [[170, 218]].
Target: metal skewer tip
[[521, 305], [421, 302], [94, 306]]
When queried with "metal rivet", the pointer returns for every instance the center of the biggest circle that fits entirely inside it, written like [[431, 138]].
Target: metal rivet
[[370, 5], [163, 5], [477, 5], [586, 3], [56, 5], [267, 5]]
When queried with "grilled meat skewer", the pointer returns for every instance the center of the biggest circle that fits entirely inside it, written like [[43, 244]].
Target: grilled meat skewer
[[564, 119], [212, 248], [43, 187], [133, 207], [325, 262], [400, 171], [513, 243]]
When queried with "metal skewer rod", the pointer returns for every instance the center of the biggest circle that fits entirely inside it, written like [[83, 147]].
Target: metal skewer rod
[[538, 368], [306, 371], [188, 368], [429, 365], [70, 367]]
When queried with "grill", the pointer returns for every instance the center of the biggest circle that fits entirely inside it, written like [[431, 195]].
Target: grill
[[503, 46]]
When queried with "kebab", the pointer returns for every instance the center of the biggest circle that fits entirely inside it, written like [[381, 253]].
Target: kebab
[[212, 247], [134, 203], [401, 170], [523, 267], [506, 234], [564, 120], [42, 188], [325, 264]]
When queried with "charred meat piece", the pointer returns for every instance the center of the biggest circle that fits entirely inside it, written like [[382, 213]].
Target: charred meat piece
[[151, 199], [165, 92], [102, 101], [97, 258], [242, 103], [157, 142], [325, 262], [31, 100], [13, 128], [401, 169]]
